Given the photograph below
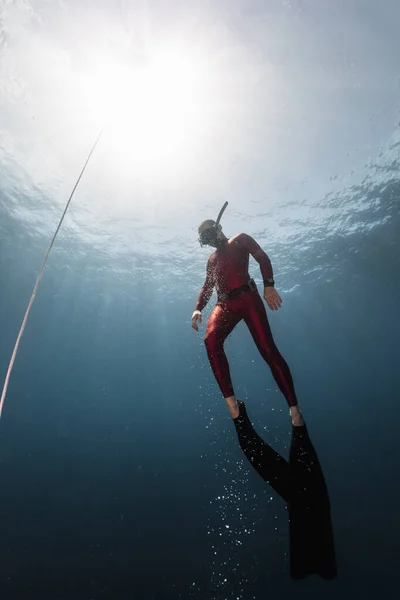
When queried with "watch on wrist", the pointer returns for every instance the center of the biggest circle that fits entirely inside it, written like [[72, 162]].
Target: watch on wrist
[[269, 282]]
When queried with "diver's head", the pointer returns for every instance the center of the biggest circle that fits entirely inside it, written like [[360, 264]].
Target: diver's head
[[210, 234]]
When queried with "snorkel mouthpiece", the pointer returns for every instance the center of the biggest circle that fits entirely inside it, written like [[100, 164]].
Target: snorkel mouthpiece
[[209, 229]]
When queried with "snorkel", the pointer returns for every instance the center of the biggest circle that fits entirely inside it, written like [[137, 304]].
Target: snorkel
[[221, 212], [208, 230]]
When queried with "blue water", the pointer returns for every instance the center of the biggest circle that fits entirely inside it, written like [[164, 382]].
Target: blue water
[[120, 472]]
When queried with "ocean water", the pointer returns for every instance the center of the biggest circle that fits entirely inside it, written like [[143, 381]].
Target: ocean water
[[120, 472]]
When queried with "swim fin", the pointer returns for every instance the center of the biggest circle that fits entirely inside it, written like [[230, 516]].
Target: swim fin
[[312, 548], [301, 484], [270, 465]]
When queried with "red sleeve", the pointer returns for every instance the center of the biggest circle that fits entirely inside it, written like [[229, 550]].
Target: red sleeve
[[258, 254], [207, 289]]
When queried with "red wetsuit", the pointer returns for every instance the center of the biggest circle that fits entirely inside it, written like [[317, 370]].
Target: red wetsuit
[[227, 269]]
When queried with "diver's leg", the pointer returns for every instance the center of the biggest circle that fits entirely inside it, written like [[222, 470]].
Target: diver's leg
[[256, 320], [220, 324]]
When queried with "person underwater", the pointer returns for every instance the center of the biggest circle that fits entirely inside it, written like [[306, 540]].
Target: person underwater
[[239, 299]]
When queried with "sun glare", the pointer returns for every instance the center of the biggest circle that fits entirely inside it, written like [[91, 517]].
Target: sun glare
[[151, 111]]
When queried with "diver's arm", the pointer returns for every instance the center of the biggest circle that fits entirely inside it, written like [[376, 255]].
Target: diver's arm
[[271, 296], [204, 296], [206, 291], [260, 256]]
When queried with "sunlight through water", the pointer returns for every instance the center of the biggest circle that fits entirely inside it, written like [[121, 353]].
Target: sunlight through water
[[289, 111], [152, 111]]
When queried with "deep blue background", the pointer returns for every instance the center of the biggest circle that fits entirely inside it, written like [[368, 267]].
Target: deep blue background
[[115, 445]]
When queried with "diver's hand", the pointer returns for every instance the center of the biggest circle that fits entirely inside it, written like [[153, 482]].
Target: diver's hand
[[272, 298], [196, 317]]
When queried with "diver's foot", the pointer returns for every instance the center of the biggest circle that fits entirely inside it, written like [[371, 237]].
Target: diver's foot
[[297, 417], [233, 407]]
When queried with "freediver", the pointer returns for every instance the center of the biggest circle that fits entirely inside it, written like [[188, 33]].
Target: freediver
[[238, 299]]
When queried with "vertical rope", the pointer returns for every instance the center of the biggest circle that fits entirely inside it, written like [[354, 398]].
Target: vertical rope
[[39, 277]]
